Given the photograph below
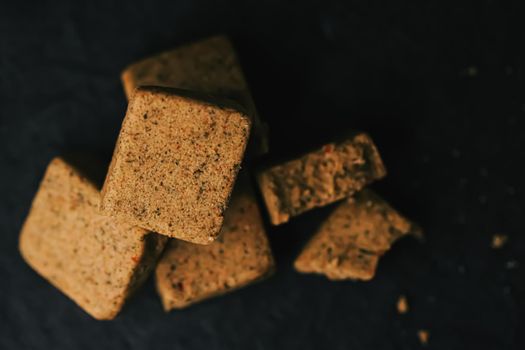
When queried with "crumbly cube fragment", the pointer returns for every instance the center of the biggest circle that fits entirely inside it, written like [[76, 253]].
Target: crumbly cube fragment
[[319, 178], [96, 261], [402, 304], [423, 336], [188, 273], [340, 264], [209, 66], [498, 241], [175, 164], [350, 242]]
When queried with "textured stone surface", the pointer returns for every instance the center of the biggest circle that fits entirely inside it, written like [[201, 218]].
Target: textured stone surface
[[175, 164], [95, 260]]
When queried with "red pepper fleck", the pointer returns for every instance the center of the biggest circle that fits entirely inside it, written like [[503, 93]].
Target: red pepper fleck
[[135, 259], [328, 148]]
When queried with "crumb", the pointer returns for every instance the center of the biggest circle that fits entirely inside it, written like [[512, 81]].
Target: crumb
[[511, 264], [423, 336], [510, 190], [498, 241], [456, 153], [431, 299], [472, 71], [402, 305], [482, 199]]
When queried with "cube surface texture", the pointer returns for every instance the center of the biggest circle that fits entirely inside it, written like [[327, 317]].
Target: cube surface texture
[[95, 260], [188, 273], [175, 164]]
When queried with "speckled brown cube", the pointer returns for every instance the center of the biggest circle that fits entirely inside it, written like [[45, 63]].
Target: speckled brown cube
[[175, 164], [316, 179], [188, 273], [97, 261], [350, 242], [209, 66]]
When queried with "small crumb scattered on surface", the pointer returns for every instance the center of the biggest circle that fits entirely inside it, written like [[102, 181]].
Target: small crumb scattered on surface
[[431, 299], [498, 241], [511, 264], [402, 304], [423, 336], [472, 71], [484, 172]]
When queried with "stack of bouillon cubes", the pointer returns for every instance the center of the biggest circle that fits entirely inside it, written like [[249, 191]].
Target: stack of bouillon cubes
[[175, 198]]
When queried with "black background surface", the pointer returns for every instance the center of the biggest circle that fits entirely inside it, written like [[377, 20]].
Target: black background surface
[[440, 87]]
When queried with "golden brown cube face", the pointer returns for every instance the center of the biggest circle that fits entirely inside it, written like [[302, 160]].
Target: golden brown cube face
[[175, 164], [319, 178], [97, 261], [208, 66], [189, 273], [353, 238]]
